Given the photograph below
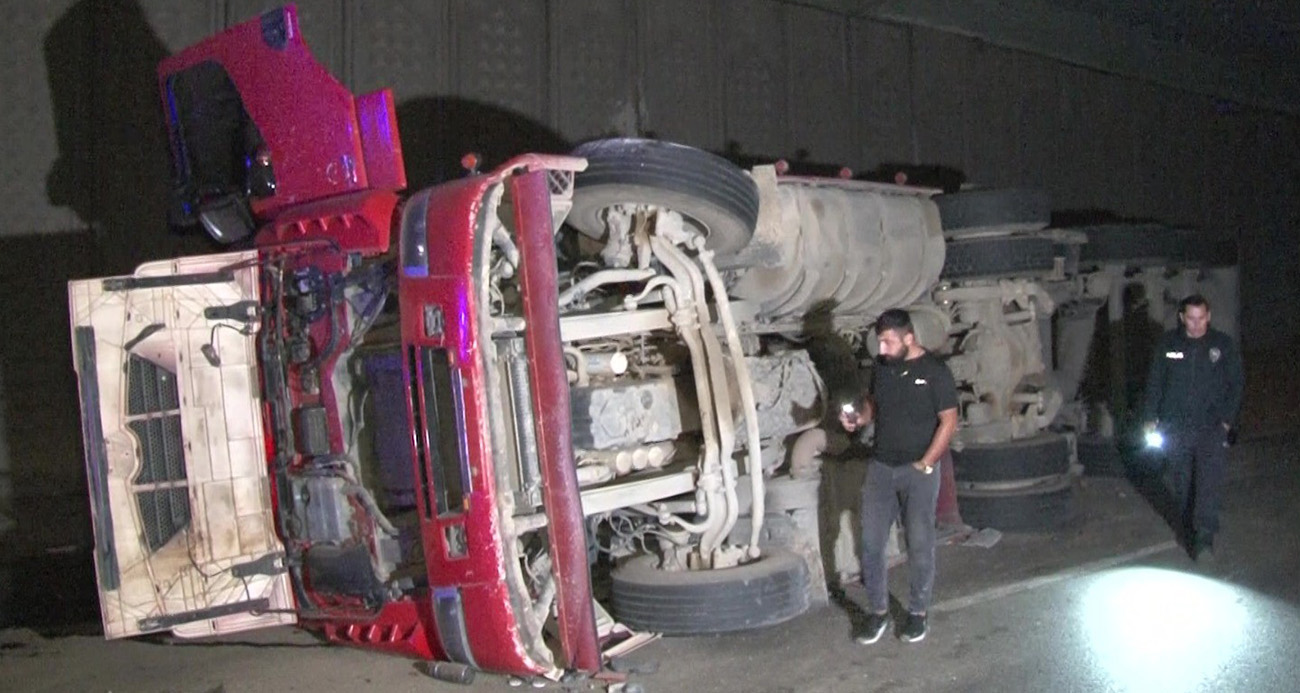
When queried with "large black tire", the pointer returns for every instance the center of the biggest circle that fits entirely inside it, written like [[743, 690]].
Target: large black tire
[[969, 258], [712, 193], [768, 591], [1100, 456], [1043, 455], [1013, 209], [1047, 506], [1154, 244]]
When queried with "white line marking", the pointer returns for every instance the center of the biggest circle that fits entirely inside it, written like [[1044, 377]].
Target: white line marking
[[1001, 591]]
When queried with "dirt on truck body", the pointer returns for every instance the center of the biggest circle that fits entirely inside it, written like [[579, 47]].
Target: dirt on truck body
[[429, 422]]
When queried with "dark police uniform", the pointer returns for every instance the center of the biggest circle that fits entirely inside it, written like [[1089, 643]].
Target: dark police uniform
[[1193, 394], [908, 396]]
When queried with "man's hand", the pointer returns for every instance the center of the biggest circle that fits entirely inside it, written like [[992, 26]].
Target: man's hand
[[921, 466], [855, 415]]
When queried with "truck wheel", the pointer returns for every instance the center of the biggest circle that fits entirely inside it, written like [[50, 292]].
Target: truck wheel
[[768, 591], [713, 194], [1154, 244], [998, 256], [1049, 505], [1036, 457], [1010, 209], [1100, 456]]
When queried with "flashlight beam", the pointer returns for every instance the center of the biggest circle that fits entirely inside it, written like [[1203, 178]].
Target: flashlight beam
[[1001, 591]]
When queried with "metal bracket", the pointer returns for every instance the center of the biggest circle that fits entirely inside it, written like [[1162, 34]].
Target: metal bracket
[[243, 311], [270, 564], [128, 283], [146, 333], [169, 620]]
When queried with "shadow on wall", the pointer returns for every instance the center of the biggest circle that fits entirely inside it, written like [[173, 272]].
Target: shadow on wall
[[438, 131], [112, 170], [1119, 357], [1140, 334], [834, 358], [47, 553], [114, 166]]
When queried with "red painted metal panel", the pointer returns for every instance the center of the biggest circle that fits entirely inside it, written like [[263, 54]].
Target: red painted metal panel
[[451, 228], [404, 628], [550, 394], [306, 117], [453, 218], [380, 144], [358, 222], [493, 628]]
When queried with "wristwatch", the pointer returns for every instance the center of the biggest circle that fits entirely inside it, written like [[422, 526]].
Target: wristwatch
[[929, 469]]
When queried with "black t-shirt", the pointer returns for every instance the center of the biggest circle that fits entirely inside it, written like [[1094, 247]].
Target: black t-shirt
[[909, 396]]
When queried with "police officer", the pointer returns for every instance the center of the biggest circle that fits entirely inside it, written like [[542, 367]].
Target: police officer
[[914, 405], [1193, 394]]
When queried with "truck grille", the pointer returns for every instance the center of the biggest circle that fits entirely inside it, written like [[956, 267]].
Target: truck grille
[[151, 389], [153, 401], [160, 445], [164, 514]]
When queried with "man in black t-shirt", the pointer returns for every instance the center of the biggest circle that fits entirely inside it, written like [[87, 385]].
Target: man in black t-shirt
[[914, 405]]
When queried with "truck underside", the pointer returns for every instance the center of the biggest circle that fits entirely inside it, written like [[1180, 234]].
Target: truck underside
[[605, 374]]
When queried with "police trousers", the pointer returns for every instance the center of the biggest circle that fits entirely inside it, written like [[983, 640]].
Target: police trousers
[[1196, 461]]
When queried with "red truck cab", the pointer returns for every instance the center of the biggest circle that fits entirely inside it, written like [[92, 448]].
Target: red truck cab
[[298, 431], [420, 423]]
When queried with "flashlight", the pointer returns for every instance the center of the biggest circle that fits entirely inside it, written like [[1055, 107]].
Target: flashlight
[[1154, 440], [847, 409]]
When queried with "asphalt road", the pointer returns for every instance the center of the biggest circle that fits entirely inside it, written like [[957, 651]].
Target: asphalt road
[[1111, 604]]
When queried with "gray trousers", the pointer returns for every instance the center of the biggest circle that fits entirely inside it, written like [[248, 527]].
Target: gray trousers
[[885, 492]]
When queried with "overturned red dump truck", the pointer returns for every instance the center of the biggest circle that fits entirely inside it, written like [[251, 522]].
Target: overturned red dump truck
[[429, 422]]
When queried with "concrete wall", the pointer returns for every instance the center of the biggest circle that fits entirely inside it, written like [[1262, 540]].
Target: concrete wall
[[84, 160]]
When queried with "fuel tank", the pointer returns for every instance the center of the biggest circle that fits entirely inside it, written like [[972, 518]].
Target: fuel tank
[[850, 248]]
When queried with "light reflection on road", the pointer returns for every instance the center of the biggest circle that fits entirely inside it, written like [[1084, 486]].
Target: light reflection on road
[[1152, 629]]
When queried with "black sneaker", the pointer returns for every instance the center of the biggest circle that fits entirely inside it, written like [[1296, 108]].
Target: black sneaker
[[872, 629], [914, 628]]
